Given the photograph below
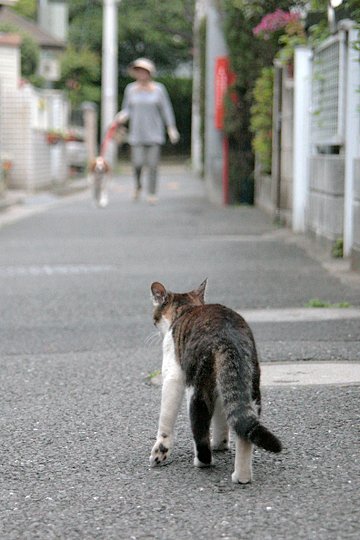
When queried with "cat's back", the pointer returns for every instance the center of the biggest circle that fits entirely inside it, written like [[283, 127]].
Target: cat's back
[[205, 332], [213, 321]]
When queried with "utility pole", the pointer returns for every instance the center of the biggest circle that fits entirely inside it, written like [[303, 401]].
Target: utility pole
[[196, 141], [109, 73]]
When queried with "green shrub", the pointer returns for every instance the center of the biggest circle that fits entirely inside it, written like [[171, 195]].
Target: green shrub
[[26, 8], [261, 118]]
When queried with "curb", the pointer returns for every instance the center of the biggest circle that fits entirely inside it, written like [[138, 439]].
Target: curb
[[9, 201]]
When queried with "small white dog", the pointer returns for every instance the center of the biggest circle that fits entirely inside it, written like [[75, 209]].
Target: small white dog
[[99, 170]]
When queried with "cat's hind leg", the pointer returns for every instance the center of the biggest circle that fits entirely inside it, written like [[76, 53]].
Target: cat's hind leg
[[220, 430], [200, 411], [243, 461]]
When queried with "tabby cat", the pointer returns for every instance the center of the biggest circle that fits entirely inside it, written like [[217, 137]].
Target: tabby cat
[[209, 350]]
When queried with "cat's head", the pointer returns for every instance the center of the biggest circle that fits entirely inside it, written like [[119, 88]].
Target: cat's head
[[168, 305]]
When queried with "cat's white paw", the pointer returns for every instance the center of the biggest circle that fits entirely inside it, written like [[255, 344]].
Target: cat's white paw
[[220, 446], [161, 451], [200, 464], [241, 478]]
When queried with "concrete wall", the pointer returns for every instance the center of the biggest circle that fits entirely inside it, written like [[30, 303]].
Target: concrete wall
[[10, 63], [27, 147], [264, 198], [25, 116], [15, 134], [355, 258], [326, 197]]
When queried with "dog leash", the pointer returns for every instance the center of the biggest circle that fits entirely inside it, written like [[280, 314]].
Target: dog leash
[[108, 136]]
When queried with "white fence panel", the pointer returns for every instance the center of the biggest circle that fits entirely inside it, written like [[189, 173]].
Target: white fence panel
[[328, 92]]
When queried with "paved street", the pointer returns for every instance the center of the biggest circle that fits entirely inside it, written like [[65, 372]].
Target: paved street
[[78, 351]]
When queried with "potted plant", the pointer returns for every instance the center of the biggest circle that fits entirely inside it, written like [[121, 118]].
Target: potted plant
[[6, 166], [72, 136], [53, 136]]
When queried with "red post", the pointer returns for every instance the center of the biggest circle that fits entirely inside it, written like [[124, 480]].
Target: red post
[[223, 78], [221, 85]]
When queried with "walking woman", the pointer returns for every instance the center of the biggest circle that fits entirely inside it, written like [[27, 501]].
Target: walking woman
[[147, 108]]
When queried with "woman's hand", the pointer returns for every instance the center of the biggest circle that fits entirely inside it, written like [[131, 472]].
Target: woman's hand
[[121, 117], [174, 135]]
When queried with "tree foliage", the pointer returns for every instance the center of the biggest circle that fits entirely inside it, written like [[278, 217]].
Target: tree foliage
[[80, 75], [85, 25], [26, 8], [145, 28]]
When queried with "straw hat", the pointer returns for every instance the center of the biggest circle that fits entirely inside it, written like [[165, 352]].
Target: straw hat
[[143, 63]]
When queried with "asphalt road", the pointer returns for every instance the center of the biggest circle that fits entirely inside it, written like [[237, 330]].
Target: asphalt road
[[79, 413]]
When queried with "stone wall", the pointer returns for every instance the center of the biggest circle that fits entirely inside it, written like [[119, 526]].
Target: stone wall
[[263, 191], [325, 217]]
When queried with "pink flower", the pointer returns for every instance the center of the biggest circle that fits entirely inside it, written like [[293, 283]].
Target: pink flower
[[274, 21]]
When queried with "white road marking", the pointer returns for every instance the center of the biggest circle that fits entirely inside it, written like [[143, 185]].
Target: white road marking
[[299, 314], [310, 373], [50, 270]]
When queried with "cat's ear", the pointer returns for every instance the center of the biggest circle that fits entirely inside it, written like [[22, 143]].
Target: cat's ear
[[159, 294], [200, 291]]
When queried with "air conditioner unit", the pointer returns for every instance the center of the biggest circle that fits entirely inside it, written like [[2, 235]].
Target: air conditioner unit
[[49, 68]]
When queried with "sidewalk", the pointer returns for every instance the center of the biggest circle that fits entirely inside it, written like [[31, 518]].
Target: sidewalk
[[19, 204]]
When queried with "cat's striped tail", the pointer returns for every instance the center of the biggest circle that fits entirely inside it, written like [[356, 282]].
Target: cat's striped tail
[[235, 382], [248, 426], [262, 437]]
